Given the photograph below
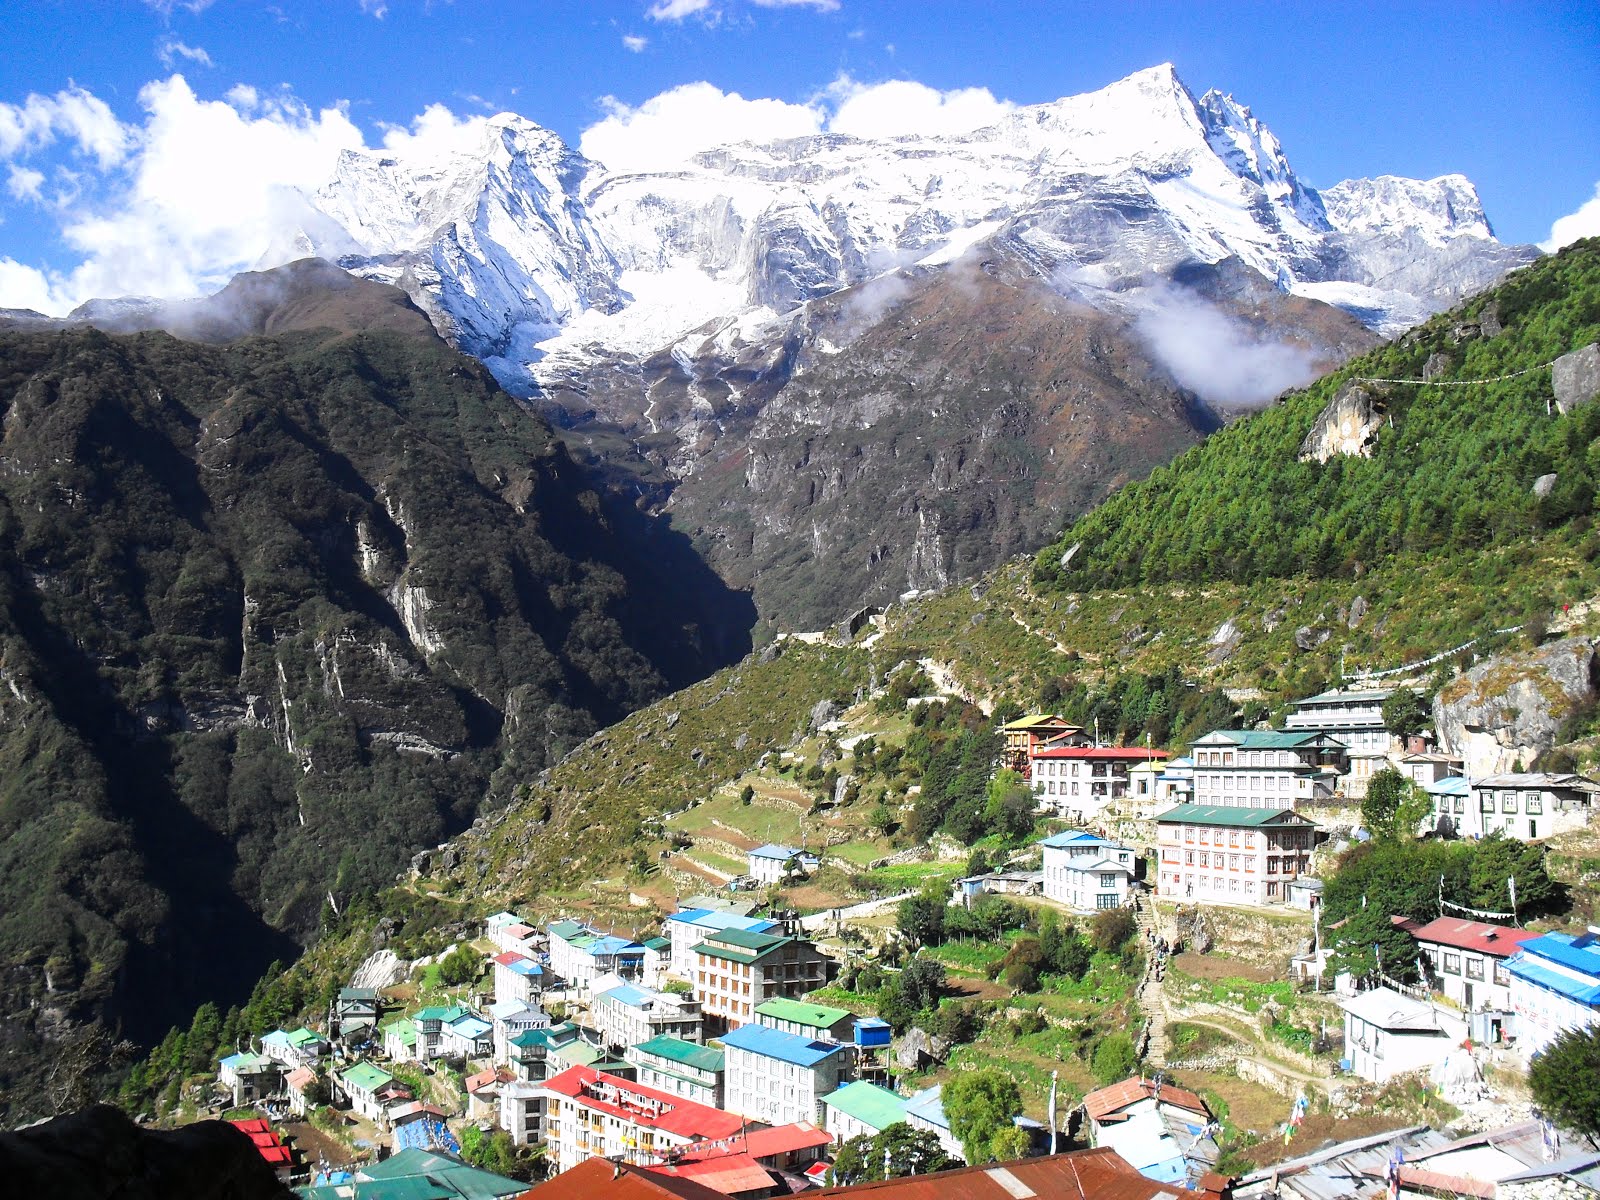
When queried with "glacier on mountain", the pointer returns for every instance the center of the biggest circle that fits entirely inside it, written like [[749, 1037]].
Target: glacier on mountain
[[538, 260]]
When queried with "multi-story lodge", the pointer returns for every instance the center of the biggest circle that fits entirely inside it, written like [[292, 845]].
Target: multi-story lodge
[[1249, 768], [1354, 719], [781, 1077], [688, 927], [1080, 781], [589, 1114], [627, 1014], [685, 1069], [1228, 854], [736, 970], [580, 954], [1027, 734]]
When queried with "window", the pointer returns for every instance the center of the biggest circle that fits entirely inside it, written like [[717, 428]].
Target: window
[[1486, 802], [1501, 975], [1508, 802], [1474, 968], [1533, 804], [1272, 890], [1188, 858], [1108, 879], [1272, 865], [1452, 964], [1233, 862]]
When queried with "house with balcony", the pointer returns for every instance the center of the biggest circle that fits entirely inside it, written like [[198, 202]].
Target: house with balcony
[[1352, 718], [249, 1076], [1027, 734], [518, 977], [590, 1114], [294, 1047], [627, 1014], [1254, 768], [1227, 854], [1078, 783], [580, 954], [511, 1018], [685, 1069], [774, 863], [736, 971]]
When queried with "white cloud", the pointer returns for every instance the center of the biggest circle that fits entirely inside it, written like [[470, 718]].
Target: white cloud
[[710, 11], [169, 50], [22, 286], [374, 8], [667, 130], [676, 10], [167, 7], [436, 132], [84, 118], [243, 96], [24, 182], [1585, 222], [206, 192], [634, 43], [902, 106]]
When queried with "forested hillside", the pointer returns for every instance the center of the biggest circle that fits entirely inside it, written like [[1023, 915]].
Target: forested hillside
[[275, 614], [1452, 468]]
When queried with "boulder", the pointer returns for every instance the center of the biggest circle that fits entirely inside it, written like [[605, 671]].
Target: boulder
[[1308, 638], [1544, 485], [1348, 425], [1575, 377], [1439, 363], [823, 712], [1358, 609], [1508, 708]]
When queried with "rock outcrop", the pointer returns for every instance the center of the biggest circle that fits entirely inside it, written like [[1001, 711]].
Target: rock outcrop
[[1575, 377], [1348, 426], [1508, 709]]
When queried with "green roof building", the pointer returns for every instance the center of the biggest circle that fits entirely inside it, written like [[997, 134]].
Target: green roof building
[[417, 1175], [683, 1068], [808, 1020], [861, 1108]]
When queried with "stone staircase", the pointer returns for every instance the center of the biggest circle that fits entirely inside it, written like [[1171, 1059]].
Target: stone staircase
[[1149, 995]]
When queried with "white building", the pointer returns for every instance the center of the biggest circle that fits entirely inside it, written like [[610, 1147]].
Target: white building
[[510, 1019], [685, 1069], [517, 977], [1085, 872], [580, 954], [589, 1114], [688, 927], [1555, 987], [1529, 806], [1224, 854], [1080, 782], [1353, 718], [522, 1111], [1250, 768], [773, 863], [510, 932], [627, 1014], [1466, 961], [779, 1077], [861, 1108], [1388, 1034]]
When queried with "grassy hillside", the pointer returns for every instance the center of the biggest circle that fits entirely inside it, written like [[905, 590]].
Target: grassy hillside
[[1453, 468]]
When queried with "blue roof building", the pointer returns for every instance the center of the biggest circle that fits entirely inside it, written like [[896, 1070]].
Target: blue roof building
[[1555, 987], [781, 1077]]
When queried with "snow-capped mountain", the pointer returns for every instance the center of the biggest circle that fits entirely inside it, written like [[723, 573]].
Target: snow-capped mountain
[[523, 250]]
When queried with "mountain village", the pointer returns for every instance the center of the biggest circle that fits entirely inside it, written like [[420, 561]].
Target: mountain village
[[717, 1054]]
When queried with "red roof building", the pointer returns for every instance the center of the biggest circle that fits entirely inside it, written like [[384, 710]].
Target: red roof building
[[736, 1175], [1081, 1175], [590, 1114], [268, 1144], [604, 1180], [1104, 1105], [1465, 960]]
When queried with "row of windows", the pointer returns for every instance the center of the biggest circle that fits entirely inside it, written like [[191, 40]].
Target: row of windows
[[1245, 783], [1248, 758]]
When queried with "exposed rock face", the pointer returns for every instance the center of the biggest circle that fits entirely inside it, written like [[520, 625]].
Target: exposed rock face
[[1309, 638], [1544, 485], [1508, 709], [100, 1154], [1575, 377], [1348, 426]]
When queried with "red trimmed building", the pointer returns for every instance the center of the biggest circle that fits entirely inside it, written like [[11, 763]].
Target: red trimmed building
[[1080, 781]]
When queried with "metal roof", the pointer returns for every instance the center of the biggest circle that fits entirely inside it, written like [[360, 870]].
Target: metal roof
[[689, 1054], [775, 1043], [868, 1103], [1225, 814], [802, 1012], [1388, 1009]]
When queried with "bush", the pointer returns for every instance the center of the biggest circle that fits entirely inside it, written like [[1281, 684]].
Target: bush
[[1114, 1059], [1565, 1080], [460, 966], [1110, 929]]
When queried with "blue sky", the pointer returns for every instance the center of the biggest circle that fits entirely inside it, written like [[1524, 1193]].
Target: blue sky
[[100, 146]]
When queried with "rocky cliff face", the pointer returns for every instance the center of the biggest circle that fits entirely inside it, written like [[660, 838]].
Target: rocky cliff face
[[273, 615], [1508, 709]]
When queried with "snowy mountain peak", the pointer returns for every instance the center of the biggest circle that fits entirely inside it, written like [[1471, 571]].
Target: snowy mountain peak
[[1441, 209], [536, 258]]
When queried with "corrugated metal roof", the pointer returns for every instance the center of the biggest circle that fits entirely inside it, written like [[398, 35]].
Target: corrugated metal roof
[[1101, 1174], [867, 1102], [1498, 940], [775, 1043], [1103, 1102], [1225, 814]]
